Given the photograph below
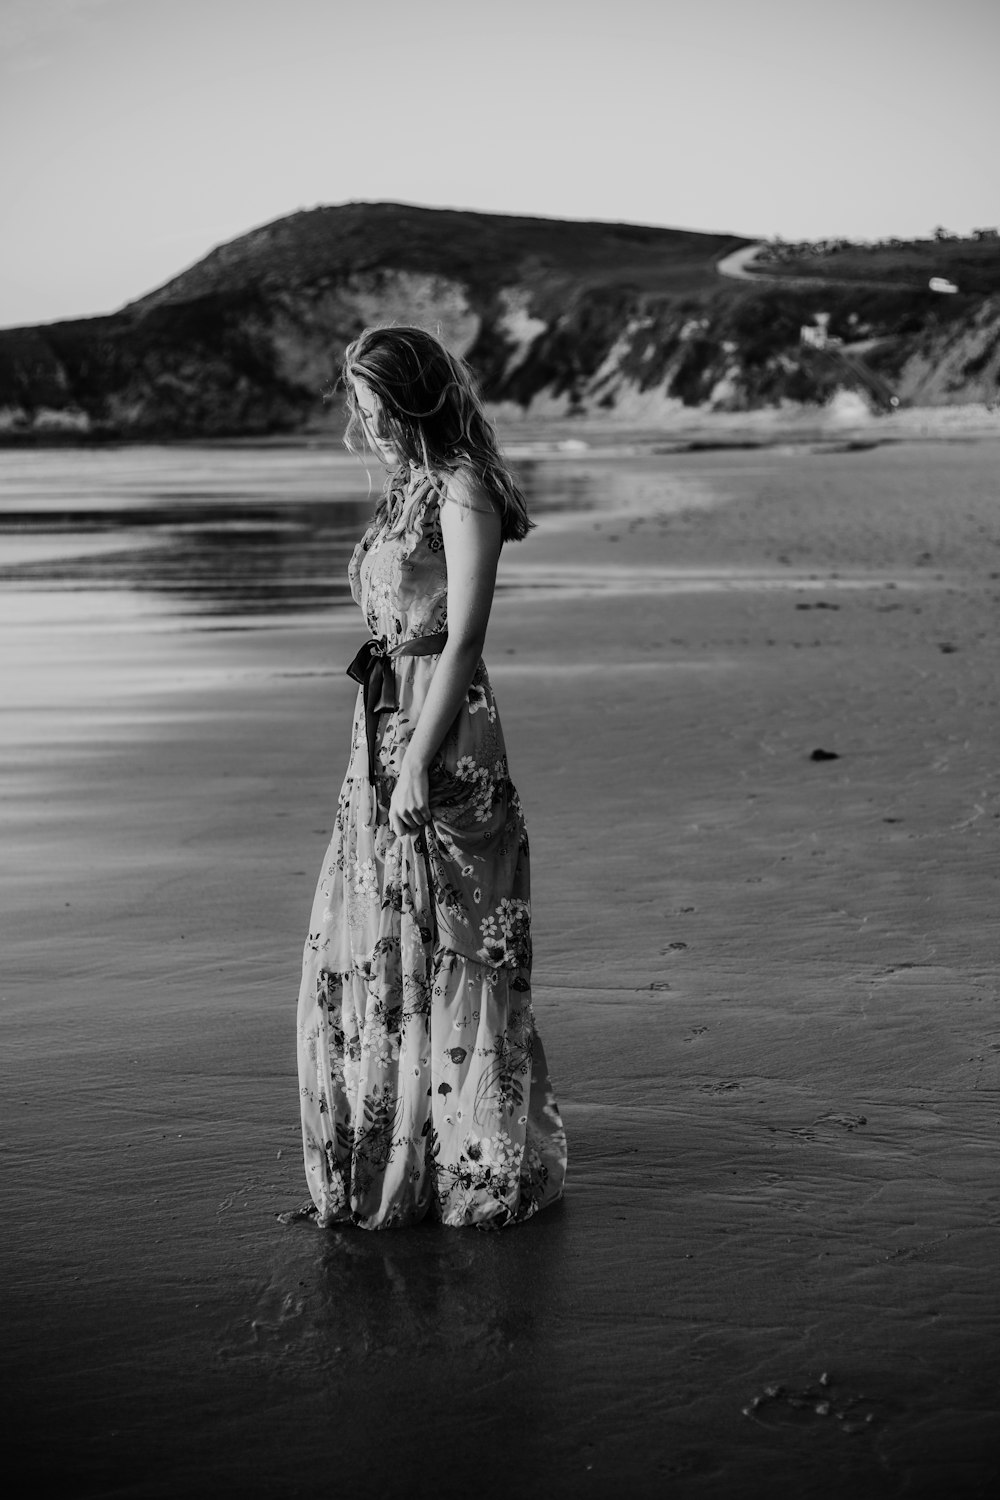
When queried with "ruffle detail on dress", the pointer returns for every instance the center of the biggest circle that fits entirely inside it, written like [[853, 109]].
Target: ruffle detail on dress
[[427, 1097]]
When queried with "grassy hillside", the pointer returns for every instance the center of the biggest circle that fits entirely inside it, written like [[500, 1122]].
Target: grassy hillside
[[972, 265], [318, 246]]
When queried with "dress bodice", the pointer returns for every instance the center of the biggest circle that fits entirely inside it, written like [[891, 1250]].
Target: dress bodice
[[398, 574]]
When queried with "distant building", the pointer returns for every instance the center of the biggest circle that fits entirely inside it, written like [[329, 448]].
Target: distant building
[[816, 335]]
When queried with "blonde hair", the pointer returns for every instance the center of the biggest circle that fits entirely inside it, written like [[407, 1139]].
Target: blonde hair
[[430, 412]]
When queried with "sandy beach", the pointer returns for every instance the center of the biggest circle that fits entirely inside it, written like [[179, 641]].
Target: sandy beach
[[767, 983]]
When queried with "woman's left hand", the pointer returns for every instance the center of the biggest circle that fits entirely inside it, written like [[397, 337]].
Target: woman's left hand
[[409, 806]]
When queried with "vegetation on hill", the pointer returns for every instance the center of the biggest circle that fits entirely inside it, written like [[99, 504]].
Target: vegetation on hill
[[556, 317], [318, 247], [972, 264]]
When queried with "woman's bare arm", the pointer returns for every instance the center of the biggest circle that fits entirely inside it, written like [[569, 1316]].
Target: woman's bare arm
[[471, 529]]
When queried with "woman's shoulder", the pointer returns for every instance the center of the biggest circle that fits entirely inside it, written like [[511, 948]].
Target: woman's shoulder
[[463, 486]]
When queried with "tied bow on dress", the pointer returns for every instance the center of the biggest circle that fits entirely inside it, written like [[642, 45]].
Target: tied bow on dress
[[373, 669]]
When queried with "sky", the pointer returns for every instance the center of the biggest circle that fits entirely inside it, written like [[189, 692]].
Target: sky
[[137, 134]]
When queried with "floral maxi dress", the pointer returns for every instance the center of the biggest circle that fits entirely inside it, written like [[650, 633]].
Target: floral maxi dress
[[424, 1087]]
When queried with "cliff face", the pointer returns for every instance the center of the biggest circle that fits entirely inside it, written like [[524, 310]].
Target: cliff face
[[555, 317]]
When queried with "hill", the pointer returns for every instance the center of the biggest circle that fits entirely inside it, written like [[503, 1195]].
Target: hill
[[557, 317]]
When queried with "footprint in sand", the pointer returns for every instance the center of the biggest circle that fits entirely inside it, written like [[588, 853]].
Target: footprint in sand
[[695, 1031], [276, 1330], [824, 1401], [846, 1122], [799, 1133]]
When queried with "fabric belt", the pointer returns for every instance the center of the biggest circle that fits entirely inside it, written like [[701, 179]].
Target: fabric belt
[[372, 668]]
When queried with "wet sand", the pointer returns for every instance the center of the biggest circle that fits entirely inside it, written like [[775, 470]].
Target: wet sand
[[767, 985]]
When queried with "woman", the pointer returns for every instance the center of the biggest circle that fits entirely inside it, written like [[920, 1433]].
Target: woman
[[423, 1081]]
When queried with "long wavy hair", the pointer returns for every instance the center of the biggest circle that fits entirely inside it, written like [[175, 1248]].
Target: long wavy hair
[[430, 411]]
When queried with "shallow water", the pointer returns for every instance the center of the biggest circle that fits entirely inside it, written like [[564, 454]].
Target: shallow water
[[192, 537], [213, 531]]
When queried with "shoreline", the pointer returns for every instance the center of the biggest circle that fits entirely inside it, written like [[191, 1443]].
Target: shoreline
[[847, 417]]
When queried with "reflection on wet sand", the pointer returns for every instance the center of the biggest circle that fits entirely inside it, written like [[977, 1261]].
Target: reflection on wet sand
[[273, 537], [211, 559], [472, 1300]]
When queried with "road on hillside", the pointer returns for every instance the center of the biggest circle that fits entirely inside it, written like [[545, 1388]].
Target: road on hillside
[[739, 266]]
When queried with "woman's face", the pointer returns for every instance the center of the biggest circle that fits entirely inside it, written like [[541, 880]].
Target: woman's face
[[368, 409]]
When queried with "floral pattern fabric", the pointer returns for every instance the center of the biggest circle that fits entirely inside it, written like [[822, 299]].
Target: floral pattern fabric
[[424, 1087]]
